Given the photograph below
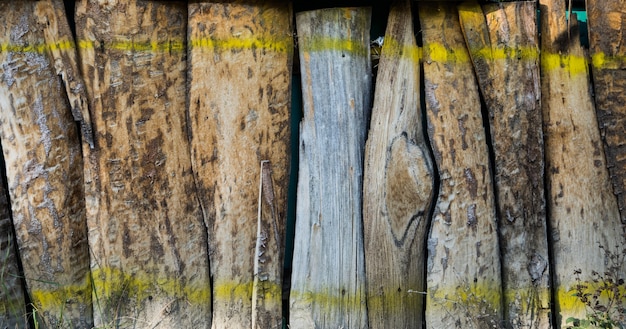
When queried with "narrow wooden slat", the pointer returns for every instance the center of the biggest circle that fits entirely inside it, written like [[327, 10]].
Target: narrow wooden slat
[[463, 269], [240, 79], [583, 210], [398, 182], [146, 232], [328, 278], [502, 40], [44, 166], [607, 22], [12, 301]]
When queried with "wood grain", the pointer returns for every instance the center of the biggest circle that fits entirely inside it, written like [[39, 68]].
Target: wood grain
[[328, 278], [503, 45], [240, 91], [582, 208], [42, 152], [147, 236], [398, 182], [463, 268]]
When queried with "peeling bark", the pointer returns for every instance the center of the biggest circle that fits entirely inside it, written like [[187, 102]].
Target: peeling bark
[[328, 278], [502, 40], [398, 183], [240, 91], [146, 232], [44, 166], [582, 208], [463, 267]]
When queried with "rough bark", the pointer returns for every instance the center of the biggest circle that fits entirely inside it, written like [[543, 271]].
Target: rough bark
[[463, 269], [146, 232], [328, 278], [398, 182], [12, 300], [44, 165], [607, 22], [503, 45], [582, 208], [235, 124]]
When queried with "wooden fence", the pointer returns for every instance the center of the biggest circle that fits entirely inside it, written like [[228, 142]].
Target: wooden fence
[[465, 170]]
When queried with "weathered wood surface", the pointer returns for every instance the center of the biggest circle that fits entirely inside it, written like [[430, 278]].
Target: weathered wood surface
[[236, 123], [607, 22], [44, 166], [398, 182], [328, 278], [463, 267], [582, 208], [146, 232], [503, 45], [12, 292]]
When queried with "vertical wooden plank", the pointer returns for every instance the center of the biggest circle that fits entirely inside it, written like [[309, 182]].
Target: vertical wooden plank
[[146, 232], [607, 22], [398, 182], [582, 208], [12, 300], [328, 278], [44, 166], [463, 269], [240, 91], [503, 44]]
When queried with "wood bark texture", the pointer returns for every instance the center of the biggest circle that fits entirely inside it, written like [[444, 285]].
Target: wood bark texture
[[41, 149], [503, 45], [235, 124], [398, 182], [582, 208], [146, 231], [328, 278], [463, 267], [607, 22], [12, 300]]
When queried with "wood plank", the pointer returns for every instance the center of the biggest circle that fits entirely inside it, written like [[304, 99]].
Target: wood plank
[[146, 230], [503, 44], [12, 290], [235, 124], [582, 208], [463, 267], [398, 182], [328, 278], [43, 159], [607, 22]]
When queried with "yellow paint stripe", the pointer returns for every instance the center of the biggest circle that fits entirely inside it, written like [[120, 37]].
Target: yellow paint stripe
[[432, 52]]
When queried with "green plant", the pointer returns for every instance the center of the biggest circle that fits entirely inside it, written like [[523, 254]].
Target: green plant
[[604, 296]]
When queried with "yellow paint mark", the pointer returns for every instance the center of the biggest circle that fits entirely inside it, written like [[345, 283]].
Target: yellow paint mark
[[57, 296], [327, 300], [471, 297], [568, 302], [440, 53], [393, 48], [573, 64], [284, 45], [330, 44]]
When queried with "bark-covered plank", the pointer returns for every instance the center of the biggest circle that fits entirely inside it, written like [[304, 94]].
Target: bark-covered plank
[[12, 292], [146, 232], [398, 182], [42, 152], [503, 44], [583, 210], [463, 266], [607, 23], [240, 91], [328, 278]]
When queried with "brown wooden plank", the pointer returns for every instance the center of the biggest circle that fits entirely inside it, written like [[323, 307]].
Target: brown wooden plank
[[502, 40], [607, 22], [328, 278], [398, 182], [463, 268], [146, 232], [240, 91], [44, 166], [12, 290], [583, 210]]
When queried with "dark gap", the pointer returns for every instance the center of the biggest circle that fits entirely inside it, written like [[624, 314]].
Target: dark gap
[[69, 13], [30, 309]]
